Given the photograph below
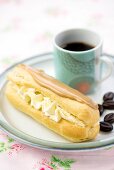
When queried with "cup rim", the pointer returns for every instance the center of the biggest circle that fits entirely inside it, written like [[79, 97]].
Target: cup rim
[[78, 52]]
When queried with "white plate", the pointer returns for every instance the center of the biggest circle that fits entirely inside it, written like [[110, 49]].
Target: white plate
[[23, 128]]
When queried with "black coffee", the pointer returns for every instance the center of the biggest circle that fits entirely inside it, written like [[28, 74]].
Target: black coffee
[[77, 46]]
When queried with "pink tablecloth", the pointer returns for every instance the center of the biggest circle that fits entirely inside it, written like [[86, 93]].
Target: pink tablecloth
[[27, 28]]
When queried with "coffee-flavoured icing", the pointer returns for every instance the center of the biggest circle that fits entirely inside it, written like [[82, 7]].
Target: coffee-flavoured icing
[[58, 87]]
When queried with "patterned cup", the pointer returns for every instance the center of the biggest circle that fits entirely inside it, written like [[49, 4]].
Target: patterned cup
[[80, 69]]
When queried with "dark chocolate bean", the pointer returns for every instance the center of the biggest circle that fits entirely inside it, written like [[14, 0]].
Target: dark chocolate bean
[[108, 104], [101, 109], [108, 96], [106, 127], [109, 118]]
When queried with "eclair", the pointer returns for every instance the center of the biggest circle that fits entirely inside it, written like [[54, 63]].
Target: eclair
[[52, 103]]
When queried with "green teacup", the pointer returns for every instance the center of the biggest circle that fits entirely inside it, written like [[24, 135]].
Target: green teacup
[[78, 58]]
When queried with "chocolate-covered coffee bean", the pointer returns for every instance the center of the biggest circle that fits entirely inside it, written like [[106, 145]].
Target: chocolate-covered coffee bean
[[106, 127], [108, 96], [109, 118], [108, 104], [101, 109]]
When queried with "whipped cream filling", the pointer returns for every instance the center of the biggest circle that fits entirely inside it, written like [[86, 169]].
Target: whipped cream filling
[[44, 104]]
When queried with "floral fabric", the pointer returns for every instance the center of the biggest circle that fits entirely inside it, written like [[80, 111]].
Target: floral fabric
[[27, 28]]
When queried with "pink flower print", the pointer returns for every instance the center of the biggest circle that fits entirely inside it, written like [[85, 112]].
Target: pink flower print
[[16, 148], [42, 168], [46, 164], [54, 163]]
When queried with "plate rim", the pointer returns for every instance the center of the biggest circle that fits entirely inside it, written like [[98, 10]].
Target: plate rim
[[102, 144], [23, 141]]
